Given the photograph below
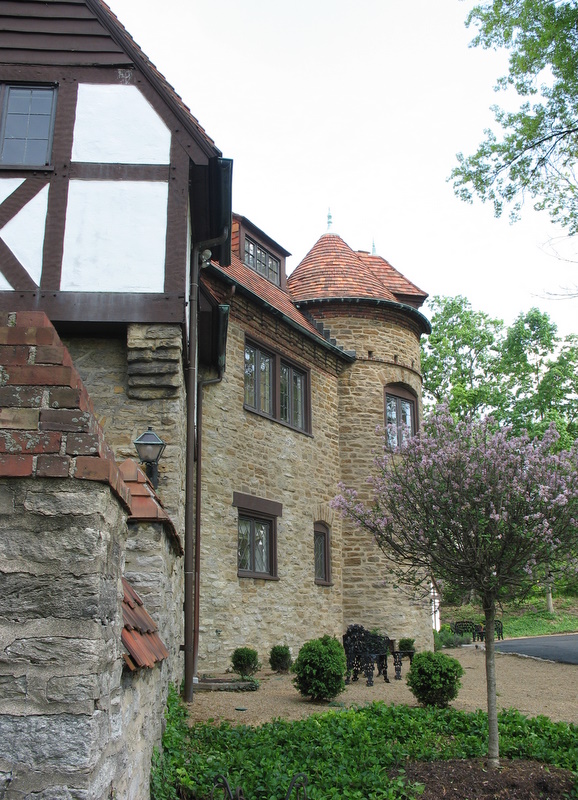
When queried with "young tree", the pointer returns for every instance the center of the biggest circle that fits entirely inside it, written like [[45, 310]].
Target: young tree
[[535, 152], [471, 504]]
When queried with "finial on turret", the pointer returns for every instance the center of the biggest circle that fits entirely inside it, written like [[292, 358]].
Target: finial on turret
[[373, 248], [329, 220]]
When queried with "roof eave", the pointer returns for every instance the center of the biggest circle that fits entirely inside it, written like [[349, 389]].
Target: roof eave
[[423, 322], [318, 339]]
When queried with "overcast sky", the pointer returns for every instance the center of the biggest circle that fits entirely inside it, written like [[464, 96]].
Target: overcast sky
[[359, 107]]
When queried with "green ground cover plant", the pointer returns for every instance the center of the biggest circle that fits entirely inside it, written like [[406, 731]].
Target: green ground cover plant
[[349, 754]]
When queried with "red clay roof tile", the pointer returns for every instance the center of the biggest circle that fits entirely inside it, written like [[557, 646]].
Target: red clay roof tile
[[331, 269], [139, 634]]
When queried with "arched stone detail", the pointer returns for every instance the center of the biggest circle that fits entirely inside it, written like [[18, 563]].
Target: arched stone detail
[[322, 512]]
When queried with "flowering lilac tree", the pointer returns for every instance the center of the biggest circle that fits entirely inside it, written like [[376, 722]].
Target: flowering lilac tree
[[471, 504]]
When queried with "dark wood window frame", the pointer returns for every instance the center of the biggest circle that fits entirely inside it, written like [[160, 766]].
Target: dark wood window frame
[[5, 93], [275, 407], [400, 394], [271, 269], [322, 534], [254, 510]]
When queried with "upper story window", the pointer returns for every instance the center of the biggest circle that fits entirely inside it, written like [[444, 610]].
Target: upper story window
[[27, 125], [262, 262], [276, 388], [400, 414]]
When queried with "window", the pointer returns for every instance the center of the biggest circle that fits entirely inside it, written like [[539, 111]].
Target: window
[[257, 536], [262, 262], [322, 554], [400, 416], [276, 388], [27, 125]]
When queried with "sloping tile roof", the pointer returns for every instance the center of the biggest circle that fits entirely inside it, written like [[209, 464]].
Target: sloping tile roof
[[139, 634], [332, 270], [398, 283], [268, 293], [145, 505]]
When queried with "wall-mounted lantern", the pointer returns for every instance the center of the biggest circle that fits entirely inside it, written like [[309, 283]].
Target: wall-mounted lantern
[[150, 448]]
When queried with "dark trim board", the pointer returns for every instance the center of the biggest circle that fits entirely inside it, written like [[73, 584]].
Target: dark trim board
[[98, 306]]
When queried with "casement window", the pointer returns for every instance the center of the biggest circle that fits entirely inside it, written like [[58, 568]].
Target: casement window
[[400, 414], [258, 259], [257, 536], [276, 388], [322, 554], [27, 125]]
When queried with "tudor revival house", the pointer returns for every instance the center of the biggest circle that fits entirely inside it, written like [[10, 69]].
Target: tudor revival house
[[267, 390]]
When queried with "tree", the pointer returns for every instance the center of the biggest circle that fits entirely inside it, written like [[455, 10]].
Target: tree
[[524, 375], [472, 504], [536, 150], [459, 355]]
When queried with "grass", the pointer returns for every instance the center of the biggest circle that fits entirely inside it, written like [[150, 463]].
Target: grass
[[346, 753], [529, 618]]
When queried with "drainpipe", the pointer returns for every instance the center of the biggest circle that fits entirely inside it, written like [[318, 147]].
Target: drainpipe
[[190, 523]]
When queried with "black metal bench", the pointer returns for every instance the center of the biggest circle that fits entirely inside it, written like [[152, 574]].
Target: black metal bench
[[365, 650], [477, 632]]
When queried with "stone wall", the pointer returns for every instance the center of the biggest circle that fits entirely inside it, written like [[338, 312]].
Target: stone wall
[[135, 382], [61, 551], [244, 452], [154, 567], [386, 343]]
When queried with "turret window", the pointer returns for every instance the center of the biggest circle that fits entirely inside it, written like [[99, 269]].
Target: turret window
[[400, 415]]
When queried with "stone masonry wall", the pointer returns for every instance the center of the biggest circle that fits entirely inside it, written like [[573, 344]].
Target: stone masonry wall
[[154, 567], [244, 452], [387, 349], [135, 383], [61, 551]]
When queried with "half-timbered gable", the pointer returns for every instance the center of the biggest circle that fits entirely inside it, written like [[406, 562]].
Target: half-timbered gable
[[106, 179]]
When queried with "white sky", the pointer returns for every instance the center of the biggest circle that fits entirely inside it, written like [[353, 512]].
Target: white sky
[[358, 106]]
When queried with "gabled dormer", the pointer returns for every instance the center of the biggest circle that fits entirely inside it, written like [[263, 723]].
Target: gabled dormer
[[258, 251]]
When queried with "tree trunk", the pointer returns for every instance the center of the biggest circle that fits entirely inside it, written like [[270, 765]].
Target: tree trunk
[[549, 601], [493, 738]]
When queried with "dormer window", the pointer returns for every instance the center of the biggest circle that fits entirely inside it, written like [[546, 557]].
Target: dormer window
[[258, 259]]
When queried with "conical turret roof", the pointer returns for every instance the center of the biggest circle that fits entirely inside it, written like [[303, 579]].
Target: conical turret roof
[[332, 270]]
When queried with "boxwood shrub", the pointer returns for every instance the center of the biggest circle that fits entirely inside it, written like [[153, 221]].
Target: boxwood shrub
[[320, 669], [434, 678]]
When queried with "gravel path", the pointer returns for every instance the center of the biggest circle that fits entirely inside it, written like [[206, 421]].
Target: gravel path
[[533, 687]]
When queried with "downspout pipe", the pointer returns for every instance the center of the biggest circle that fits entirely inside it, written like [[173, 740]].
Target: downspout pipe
[[191, 412]]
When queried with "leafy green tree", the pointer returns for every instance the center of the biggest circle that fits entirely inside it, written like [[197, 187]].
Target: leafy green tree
[[541, 377], [459, 357], [475, 506], [535, 150]]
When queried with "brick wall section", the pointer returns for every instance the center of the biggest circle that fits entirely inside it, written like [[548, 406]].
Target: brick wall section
[[48, 427], [134, 382]]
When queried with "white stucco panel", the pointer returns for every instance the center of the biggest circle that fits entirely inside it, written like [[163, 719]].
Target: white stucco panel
[[9, 185], [115, 236], [4, 285], [117, 125], [24, 234]]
